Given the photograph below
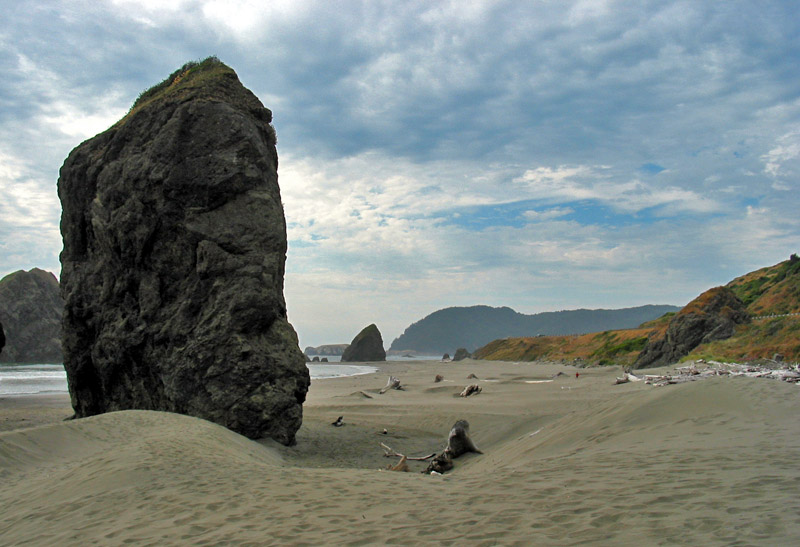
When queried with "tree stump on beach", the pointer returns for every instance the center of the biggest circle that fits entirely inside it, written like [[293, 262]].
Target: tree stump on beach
[[458, 444]]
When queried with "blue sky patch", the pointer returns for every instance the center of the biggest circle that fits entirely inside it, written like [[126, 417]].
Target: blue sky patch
[[651, 168]]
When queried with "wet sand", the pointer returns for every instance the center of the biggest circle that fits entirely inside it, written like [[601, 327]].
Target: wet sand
[[565, 462]]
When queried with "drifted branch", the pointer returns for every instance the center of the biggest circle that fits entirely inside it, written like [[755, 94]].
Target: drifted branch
[[393, 383], [389, 452]]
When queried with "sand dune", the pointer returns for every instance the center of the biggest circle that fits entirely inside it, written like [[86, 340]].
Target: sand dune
[[566, 462]]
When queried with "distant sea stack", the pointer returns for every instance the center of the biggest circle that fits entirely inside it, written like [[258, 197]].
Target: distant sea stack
[[366, 346], [711, 316], [173, 261], [30, 310], [327, 349]]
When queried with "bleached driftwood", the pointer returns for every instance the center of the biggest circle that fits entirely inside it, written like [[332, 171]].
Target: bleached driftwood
[[401, 465], [472, 389], [389, 452], [701, 370], [458, 443], [393, 383]]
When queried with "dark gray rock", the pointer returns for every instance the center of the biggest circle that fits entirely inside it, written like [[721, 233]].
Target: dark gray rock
[[31, 309], [173, 262], [366, 346], [461, 354], [711, 316], [2, 339]]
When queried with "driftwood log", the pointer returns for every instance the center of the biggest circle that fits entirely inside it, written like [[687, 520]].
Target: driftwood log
[[472, 389], [458, 444], [401, 465], [393, 383]]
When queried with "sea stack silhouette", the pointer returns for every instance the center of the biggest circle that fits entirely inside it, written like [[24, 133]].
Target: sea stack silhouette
[[366, 346], [173, 261]]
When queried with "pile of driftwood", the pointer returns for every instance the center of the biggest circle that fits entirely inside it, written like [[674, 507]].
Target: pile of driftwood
[[458, 443], [393, 383], [700, 370]]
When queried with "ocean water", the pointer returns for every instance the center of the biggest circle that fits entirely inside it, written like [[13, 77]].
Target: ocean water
[[33, 379]]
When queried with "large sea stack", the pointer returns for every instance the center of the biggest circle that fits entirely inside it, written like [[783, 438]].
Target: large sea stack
[[173, 261], [711, 316], [30, 310], [366, 346]]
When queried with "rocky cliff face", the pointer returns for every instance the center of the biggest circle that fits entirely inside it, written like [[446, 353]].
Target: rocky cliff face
[[30, 310], [173, 261], [366, 346], [711, 316]]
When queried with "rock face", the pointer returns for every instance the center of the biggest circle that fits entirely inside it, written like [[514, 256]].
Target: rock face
[[366, 346], [31, 309], [711, 316], [2, 339], [461, 354], [173, 261]]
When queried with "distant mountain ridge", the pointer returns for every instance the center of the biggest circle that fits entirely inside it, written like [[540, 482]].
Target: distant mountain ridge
[[475, 326], [755, 316]]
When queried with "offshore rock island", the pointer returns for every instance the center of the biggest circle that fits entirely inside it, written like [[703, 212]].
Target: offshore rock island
[[173, 261], [31, 309]]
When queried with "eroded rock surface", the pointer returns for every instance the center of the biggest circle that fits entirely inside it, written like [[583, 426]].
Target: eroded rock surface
[[30, 309], [711, 316], [366, 346], [173, 262]]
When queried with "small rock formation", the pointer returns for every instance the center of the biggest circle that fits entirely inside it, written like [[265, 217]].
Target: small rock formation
[[173, 261], [461, 354], [31, 309], [323, 360], [366, 346], [446, 357], [326, 349], [315, 359], [711, 316]]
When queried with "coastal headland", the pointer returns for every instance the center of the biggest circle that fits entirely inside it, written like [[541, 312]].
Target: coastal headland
[[567, 458]]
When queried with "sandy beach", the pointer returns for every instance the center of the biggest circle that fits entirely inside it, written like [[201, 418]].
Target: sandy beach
[[566, 461]]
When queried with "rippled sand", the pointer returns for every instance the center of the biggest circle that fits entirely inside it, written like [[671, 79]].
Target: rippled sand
[[566, 462]]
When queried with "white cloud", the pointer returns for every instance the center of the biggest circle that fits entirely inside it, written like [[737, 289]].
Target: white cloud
[[786, 149], [578, 183]]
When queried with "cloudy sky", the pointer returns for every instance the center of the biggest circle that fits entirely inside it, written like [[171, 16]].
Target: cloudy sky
[[541, 155]]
